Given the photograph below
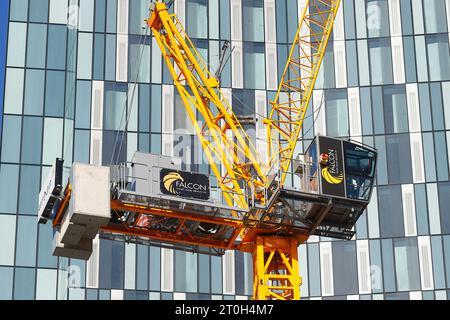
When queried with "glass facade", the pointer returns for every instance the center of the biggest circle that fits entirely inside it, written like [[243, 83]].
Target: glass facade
[[68, 70]]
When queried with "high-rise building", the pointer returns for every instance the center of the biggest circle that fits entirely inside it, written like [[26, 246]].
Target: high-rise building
[[72, 76]]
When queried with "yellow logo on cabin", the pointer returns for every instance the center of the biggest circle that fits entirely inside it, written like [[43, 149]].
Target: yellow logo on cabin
[[330, 178], [170, 181]]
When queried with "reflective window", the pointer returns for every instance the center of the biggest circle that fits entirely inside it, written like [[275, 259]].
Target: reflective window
[[421, 209], [58, 11], [326, 77], [434, 14], [14, 91], [421, 56], [441, 156], [99, 56], [32, 140], [382, 170], [12, 128], [377, 18], [9, 177], [115, 104], [395, 109], [254, 66], [53, 135], [46, 284], [352, 63], [144, 108], [314, 270], [366, 111], [388, 265], [239, 273], [81, 146], [438, 57], [100, 15], [24, 283], [135, 295], [155, 269], [139, 53], [406, 12], [216, 275], [110, 58], [337, 113], [7, 238], [197, 18], [114, 147], [444, 201], [138, 12], [280, 7], [438, 263], [390, 211], [345, 268], [349, 19], [45, 247], [17, 44], [84, 70], [111, 264], [407, 264], [26, 241], [6, 283], [142, 267], [204, 273], [86, 15], [19, 10], [360, 171], [29, 190], [398, 151], [36, 50], [34, 92], [410, 59], [425, 107], [185, 272], [83, 105], [380, 61], [429, 156], [38, 11], [54, 94], [253, 20]]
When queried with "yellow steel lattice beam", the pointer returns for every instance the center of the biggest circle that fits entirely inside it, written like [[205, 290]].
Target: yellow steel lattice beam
[[285, 122], [224, 141], [275, 269]]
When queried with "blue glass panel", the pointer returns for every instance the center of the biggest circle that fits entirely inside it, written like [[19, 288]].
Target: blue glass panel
[[24, 283], [6, 283], [112, 262], [38, 11], [4, 11]]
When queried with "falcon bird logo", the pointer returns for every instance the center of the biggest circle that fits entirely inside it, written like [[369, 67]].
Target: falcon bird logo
[[330, 178], [169, 182]]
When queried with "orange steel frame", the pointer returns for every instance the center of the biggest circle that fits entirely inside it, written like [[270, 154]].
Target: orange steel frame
[[275, 259]]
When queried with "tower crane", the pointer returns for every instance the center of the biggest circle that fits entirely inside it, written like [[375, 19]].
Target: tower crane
[[265, 205]]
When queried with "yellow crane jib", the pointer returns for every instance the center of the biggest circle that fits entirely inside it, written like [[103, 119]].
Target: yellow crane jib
[[223, 138], [285, 121]]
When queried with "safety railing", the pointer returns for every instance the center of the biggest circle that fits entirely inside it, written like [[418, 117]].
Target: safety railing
[[124, 178], [302, 175]]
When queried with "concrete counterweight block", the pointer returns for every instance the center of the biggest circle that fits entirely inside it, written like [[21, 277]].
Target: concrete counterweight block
[[89, 210], [90, 195]]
